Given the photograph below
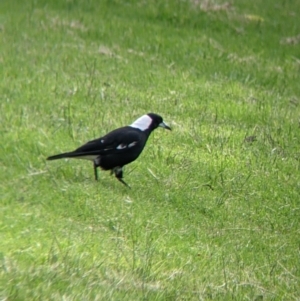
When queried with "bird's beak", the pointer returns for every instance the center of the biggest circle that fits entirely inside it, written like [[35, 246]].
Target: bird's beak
[[163, 125]]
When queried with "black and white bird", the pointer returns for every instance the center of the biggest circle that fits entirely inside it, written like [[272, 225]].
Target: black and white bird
[[119, 147]]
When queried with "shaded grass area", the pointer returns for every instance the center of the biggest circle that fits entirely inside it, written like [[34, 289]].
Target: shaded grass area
[[213, 214]]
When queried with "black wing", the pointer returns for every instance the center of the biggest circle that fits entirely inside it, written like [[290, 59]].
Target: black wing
[[116, 142], [126, 141]]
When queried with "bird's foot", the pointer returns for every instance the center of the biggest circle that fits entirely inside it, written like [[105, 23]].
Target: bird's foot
[[118, 171], [123, 182]]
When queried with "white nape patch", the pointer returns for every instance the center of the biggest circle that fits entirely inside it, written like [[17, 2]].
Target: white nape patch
[[143, 123], [132, 144], [102, 141], [121, 146]]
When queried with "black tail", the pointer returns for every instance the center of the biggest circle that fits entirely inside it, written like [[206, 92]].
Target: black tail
[[79, 155], [61, 156]]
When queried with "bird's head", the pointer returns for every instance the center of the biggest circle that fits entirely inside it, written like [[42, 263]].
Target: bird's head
[[150, 122]]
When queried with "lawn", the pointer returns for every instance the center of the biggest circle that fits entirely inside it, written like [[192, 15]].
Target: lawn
[[214, 209]]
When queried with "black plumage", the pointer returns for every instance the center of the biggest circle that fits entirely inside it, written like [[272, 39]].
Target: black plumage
[[119, 147]]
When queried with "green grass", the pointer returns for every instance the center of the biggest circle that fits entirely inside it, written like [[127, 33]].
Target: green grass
[[210, 216]]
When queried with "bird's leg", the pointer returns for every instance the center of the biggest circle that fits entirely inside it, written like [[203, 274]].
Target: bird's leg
[[95, 171], [96, 162], [119, 175]]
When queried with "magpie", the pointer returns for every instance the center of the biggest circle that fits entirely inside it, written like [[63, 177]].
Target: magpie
[[119, 147]]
